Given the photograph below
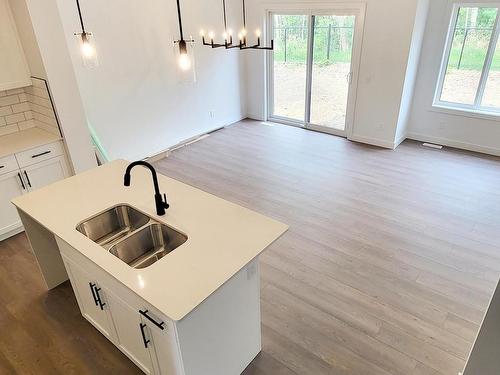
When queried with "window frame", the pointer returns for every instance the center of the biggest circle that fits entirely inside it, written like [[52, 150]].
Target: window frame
[[477, 106]]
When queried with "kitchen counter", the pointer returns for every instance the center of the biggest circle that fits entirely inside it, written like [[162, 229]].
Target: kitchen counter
[[25, 140], [222, 237]]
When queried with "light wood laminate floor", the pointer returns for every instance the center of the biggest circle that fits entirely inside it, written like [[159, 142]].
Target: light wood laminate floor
[[387, 268]]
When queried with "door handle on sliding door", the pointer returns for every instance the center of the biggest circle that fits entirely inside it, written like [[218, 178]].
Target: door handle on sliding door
[[349, 78]]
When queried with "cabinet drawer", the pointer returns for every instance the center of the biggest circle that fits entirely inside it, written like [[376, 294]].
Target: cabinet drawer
[[8, 164], [38, 154]]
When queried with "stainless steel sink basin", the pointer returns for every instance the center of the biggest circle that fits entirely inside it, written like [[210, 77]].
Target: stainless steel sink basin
[[148, 245], [131, 236], [113, 224]]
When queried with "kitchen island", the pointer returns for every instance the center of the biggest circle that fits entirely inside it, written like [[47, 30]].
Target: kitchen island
[[194, 311]]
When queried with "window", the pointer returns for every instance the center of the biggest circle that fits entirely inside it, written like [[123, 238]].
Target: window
[[470, 74]]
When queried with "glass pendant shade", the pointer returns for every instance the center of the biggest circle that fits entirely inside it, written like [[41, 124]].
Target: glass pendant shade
[[87, 48], [184, 59]]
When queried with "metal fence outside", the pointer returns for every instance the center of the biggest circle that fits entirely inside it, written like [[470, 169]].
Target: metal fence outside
[[283, 34], [467, 32]]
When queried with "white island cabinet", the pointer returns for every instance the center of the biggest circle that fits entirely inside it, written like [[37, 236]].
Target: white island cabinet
[[196, 310]]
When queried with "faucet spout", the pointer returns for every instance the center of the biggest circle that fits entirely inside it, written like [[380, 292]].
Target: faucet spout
[[161, 202]]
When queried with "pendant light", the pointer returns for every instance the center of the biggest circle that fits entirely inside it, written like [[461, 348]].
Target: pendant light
[[86, 43], [227, 34], [184, 51], [242, 36], [228, 38]]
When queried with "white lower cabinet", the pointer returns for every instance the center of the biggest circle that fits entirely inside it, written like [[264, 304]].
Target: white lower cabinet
[[133, 336], [91, 299], [24, 172], [10, 187], [144, 337], [46, 172], [221, 336]]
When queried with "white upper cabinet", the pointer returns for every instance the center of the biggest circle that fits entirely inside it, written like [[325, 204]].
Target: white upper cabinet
[[14, 71]]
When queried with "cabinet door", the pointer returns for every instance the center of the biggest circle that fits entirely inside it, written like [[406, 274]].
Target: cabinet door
[[133, 336], [45, 172], [92, 300], [14, 70], [11, 186], [165, 351]]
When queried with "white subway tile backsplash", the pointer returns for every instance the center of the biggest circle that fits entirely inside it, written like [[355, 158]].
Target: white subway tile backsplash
[[38, 100], [26, 108], [21, 107], [23, 97], [15, 91], [43, 110], [49, 128], [38, 83], [37, 91], [4, 130], [12, 119], [4, 111], [45, 119], [9, 100], [26, 124]]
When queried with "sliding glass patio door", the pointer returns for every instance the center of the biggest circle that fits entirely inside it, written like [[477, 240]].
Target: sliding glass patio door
[[312, 69]]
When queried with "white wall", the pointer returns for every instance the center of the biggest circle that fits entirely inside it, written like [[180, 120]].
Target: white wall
[[386, 46], [50, 38], [412, 71], [428, 124], [133, 100]]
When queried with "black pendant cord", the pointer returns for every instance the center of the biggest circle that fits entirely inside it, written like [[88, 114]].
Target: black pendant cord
[[225, 17], [81, 18], [243, 43], [244, 16], [228, 44], [182, 42], [180, 19]]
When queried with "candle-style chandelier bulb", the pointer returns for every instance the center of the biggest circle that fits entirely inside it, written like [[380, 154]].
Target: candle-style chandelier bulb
[[242, 35]]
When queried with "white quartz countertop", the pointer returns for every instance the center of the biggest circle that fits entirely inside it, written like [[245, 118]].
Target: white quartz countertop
[[25, 140], [222, 237]]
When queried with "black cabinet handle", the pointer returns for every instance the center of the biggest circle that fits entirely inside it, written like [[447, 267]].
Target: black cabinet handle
[[92, 285], [21, 179], [2, 166], [101, 304], [145, 314], [41, 154], [144, 340], [27, 178]]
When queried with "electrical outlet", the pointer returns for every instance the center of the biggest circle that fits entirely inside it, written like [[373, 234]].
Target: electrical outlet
[[211, 114]]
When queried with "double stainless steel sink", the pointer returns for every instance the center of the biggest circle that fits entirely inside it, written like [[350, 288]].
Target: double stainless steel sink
[[131, 236]]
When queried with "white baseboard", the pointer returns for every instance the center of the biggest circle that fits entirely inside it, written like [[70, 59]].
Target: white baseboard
[[372, 141], [164, 153], [11, 232], [256, 117], [400, 140], [456, 144]]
